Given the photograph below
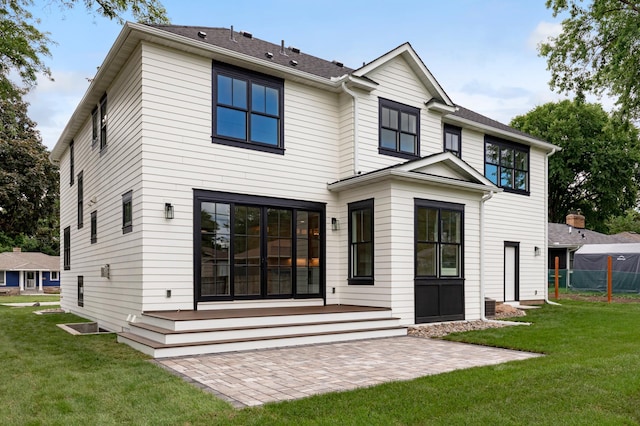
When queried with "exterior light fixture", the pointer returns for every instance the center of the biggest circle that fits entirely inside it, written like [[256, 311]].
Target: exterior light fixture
[[168, 211], [536, 251], [335, 224]]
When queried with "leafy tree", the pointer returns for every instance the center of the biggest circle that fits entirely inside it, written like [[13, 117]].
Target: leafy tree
[[23, 46], [627, 222], [597, 51], [597, 169], [28, 180]]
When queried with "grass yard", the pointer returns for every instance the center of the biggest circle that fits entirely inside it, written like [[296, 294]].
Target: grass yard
[[30, 298], [591, 375]]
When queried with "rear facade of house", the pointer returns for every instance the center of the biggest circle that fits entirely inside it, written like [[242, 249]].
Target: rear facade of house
[[207, 169]]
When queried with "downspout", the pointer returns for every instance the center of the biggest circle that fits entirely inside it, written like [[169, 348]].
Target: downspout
[[486, 197], [546, 228], [355, 125]]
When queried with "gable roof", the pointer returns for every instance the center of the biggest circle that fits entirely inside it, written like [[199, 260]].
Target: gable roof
[[28, 261], [462, 175], [238, 48], [562, 236]]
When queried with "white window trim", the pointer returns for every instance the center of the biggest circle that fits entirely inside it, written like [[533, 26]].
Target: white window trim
[[3, 274], [54, 279]]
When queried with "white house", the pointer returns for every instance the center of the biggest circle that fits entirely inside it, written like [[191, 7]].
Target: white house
[[210, 176]]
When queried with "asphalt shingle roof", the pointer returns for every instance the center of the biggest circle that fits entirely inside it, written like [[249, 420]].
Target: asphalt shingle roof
[[28, 261], [252, 46], [564, 235]]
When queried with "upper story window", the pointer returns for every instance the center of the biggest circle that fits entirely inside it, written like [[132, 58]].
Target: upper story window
[[95, 127], [80, 199], [94, 227], [71, 163], [399, 129], [66, 242], [506, 164], [247, 109], [127, 212], [361, 242], [453, 140], [103, 122]]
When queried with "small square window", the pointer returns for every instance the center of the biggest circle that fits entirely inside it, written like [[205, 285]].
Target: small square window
[[399, 130]]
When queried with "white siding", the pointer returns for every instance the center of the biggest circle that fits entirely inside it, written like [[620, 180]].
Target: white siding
[[107, 176]]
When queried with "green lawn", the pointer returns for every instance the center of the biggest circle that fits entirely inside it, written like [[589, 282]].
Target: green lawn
[[591, 375], [30, 298]]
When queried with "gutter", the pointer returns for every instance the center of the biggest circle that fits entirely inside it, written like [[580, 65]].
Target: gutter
[[546, 228], [355, 126], [486, 197]]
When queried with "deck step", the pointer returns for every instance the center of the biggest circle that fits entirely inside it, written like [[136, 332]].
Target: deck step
[[163, 350]]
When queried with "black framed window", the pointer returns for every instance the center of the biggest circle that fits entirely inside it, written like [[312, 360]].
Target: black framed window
[[103, 122], [95, 127], [71, 163], [507, 165], [66, 242], [399, 129], [80, 290], [453, 140], [127, 212], [247, 109], [80, 199], [94, 227], [361, 242], [439, 239]]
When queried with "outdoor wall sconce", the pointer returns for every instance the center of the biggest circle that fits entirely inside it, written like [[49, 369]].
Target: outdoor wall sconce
[[168, 211], [335, 224], [536, 251]]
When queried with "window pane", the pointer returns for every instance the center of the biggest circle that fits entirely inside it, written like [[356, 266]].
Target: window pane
[[426, 259], [272, 101], [450, 263], [388, 139], [215, 242], [239, 93], [506, 157], [506, 177], [362, 260], [407, 143], [520, 180], [491, 173], [279, 265], [451, 142], [257, 98], [450, 226], [264, 129], [491, 154], [231, 123], [521, 160], [408, 123], [224, 90]]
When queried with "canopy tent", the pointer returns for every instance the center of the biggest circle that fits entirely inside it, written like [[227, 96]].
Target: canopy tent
[[590, 267]]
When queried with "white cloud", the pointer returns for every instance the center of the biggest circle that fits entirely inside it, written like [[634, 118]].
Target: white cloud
[[53, 102], [542, 33]]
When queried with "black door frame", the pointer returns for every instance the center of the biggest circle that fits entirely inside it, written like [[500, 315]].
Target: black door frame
[[445, 294], [516, 290], [263, 203]]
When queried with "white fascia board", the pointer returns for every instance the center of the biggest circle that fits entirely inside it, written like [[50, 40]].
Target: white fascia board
[[450, 160], [503, 133], [411, 177], [434, 105]]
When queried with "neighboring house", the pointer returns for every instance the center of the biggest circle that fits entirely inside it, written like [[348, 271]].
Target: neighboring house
[[207, 170], [566, 238], [23, 271]]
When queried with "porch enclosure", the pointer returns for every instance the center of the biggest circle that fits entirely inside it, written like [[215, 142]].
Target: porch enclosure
[[252, 247]]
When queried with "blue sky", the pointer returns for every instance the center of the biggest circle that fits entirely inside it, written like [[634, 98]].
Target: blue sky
[[483, 52]]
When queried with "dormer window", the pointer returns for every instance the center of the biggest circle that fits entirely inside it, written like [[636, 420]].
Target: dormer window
[[399, 129], [248, 109], [507, 164], [453, 140]]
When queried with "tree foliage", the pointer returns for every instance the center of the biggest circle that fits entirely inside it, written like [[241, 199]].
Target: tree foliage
[[627, 222], [597, 169], [28, 180], [23, 47], [598, 51]]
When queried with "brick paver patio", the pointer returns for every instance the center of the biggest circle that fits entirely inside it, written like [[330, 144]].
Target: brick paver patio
[[257, 377]]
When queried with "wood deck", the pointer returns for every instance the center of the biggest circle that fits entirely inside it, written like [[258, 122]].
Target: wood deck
[[259, 312]]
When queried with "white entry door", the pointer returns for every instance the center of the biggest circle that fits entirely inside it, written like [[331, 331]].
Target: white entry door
[[31, 280], [511, 271]]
